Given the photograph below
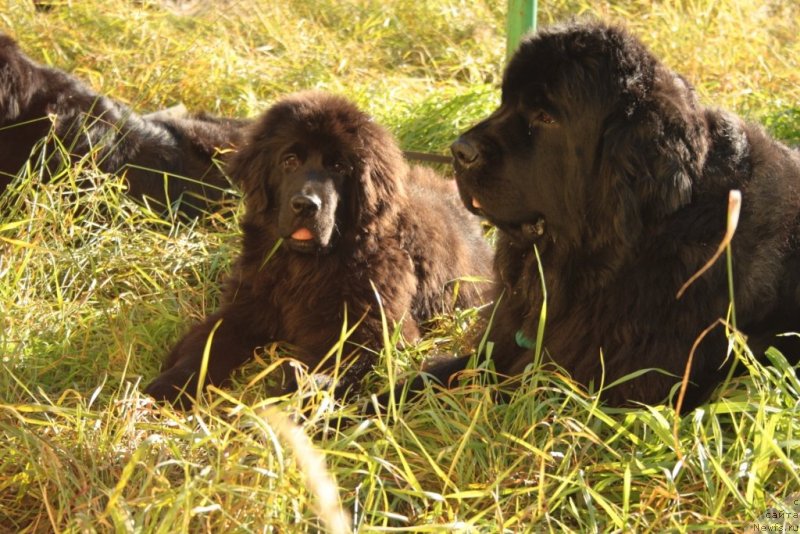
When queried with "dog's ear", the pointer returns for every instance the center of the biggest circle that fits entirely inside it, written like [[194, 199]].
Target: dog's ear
[[16, 80], [653, 148], [250, 169], [380, 189]]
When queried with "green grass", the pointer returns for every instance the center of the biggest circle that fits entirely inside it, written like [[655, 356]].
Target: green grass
[[94, 291]]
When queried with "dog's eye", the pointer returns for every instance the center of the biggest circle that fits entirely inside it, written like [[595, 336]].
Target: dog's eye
[[340, 167], [542, 117], [290, 161]]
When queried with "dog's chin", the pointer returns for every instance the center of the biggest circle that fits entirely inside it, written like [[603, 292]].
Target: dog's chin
[[531, 231], [527, 233], [307, 246]]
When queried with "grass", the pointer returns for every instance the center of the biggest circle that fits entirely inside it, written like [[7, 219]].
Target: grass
[[93, 292]]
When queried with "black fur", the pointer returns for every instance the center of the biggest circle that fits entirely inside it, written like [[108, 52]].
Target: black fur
[[604, 159]]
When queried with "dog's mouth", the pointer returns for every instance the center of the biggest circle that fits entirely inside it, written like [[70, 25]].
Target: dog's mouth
[[530, 231], [307, 241]]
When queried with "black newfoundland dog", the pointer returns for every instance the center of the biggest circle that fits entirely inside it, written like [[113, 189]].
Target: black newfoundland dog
[[603, 159], [337, 229], [46, 113]]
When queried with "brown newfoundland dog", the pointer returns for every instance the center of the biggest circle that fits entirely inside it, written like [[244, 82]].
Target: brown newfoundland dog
[[603, 160], [47, 114], [337, 229]]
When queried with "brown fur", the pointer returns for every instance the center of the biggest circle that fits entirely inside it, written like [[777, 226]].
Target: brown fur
[[383, 235], [39, 105]]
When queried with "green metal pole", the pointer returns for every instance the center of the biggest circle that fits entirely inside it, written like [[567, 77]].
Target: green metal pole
[[521, 20]]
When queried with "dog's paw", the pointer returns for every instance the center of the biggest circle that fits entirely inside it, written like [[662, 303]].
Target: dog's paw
[[175, 386]]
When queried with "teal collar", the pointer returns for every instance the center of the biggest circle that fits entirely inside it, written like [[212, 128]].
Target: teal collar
[[524, 342]]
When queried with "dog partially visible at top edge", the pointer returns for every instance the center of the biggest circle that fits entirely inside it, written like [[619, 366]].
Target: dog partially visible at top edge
[[52, 119]]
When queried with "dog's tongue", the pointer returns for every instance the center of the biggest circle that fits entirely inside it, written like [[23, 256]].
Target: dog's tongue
[[475, 203], [302, 234]]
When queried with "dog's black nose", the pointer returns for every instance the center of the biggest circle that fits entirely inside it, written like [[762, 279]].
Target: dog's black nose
[[305, 204], [465, 153]]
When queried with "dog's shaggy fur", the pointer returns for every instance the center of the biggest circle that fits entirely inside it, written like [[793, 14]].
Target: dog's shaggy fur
[[44, 109], [362, 234], [602, 157]]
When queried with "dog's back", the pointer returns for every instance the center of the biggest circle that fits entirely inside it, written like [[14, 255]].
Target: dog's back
[[51, 117], [446, 244]]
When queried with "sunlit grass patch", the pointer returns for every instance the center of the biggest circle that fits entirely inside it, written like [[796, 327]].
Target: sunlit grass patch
[[95, 288]]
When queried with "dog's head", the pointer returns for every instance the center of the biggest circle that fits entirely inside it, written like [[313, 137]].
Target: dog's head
[[316, 169], [593, 136]]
